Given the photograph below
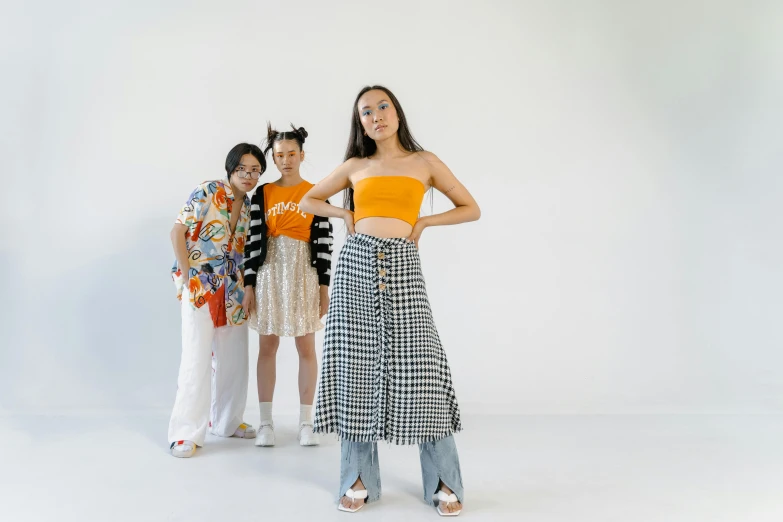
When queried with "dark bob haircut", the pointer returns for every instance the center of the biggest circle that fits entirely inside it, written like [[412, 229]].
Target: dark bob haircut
[[235, 155]]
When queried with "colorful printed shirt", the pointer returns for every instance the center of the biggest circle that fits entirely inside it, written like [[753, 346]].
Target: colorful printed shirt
[[216, 255]]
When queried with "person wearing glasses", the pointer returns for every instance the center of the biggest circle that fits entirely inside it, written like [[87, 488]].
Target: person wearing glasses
[[209, 242], [287, 271]]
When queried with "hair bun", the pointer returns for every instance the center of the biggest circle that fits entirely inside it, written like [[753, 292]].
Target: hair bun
[[270, 132], [302, 132]]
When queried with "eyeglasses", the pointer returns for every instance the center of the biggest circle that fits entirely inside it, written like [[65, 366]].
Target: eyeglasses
[[244, 174]]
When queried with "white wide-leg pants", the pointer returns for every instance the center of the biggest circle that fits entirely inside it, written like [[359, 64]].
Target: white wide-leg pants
[[209, 353]]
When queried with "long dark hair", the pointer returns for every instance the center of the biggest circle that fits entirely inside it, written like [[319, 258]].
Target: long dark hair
[[272, 136], [235, 155], [361, 146]]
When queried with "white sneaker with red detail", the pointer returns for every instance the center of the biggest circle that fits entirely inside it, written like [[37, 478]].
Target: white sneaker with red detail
[[183, 449]]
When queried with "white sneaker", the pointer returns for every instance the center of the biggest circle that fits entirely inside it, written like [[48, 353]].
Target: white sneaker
[[265, 435], [183, 449], [306, 435]]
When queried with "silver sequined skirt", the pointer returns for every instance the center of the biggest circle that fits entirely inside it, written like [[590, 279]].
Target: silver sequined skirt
[[287, 291]]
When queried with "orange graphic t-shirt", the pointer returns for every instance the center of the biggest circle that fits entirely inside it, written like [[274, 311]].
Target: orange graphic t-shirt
[[283, 217]]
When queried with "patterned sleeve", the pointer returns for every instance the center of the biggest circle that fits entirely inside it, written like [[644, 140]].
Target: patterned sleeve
[[193, 211], [192, 216], [254, 237]]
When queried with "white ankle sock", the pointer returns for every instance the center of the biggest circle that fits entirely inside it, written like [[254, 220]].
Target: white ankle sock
[[266, 412], [306, 413]]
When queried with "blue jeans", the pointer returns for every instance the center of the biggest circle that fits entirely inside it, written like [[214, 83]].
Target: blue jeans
[[439, 462]]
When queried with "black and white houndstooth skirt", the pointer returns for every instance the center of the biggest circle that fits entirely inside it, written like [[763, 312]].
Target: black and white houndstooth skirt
[[384, 374]]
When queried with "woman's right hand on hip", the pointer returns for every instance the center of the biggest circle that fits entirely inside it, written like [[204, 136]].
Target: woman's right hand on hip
[[348, 218]]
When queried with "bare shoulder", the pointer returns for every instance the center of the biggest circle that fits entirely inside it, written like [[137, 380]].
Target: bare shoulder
[[443, 180], [352, 165], [339, 179], [435, 168], [346, 169], [428, 156]]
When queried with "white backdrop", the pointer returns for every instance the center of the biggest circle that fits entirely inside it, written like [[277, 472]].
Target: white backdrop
[[626, 157]]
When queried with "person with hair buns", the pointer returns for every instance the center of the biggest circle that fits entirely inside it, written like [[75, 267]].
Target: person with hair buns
[[287, 271]]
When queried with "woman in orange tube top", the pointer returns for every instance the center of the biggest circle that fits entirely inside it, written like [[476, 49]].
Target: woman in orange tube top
[[384, 374]]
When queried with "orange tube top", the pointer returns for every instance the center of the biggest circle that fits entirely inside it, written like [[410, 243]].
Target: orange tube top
[[388, 196]]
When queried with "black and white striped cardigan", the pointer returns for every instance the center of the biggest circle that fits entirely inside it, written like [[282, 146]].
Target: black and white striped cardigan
[[255, 249]]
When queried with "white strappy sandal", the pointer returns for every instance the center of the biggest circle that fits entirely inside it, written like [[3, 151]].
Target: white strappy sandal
[[354, 495], [441, 496]]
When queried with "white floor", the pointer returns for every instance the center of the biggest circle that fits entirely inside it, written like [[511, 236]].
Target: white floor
[[526, 468]]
